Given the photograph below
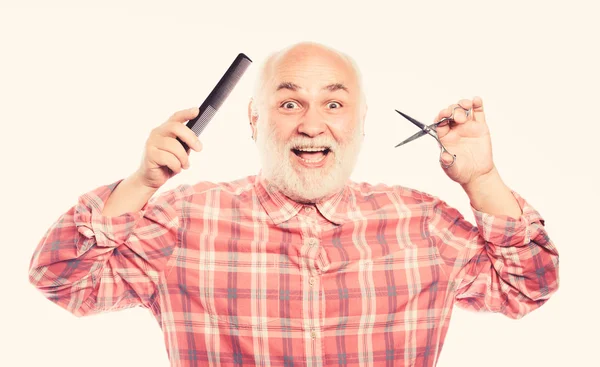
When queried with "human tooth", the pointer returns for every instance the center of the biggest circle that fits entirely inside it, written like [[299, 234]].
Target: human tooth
[[312, 149]]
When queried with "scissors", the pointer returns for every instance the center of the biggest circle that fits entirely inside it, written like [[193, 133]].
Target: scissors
[[432, 130]]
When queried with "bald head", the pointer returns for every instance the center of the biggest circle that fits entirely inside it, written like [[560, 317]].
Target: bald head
[[286, 60]]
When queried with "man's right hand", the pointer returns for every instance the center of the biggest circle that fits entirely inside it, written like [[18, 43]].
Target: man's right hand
[[164, 156]]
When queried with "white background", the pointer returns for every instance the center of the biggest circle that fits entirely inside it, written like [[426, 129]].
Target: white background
[[82, 85]]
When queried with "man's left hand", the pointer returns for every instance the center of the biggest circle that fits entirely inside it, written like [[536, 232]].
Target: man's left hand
[[467, 137]]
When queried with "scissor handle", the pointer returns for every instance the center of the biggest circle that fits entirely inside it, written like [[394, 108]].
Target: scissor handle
[[442, 150], [446, 120]]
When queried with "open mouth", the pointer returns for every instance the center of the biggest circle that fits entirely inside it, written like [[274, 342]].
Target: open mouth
[[311, 155]]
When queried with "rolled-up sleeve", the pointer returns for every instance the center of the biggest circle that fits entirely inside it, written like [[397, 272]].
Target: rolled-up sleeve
[[502, 264], [89, 263]]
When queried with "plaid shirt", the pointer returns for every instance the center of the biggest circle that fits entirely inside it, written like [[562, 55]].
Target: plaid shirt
[[237, 274]]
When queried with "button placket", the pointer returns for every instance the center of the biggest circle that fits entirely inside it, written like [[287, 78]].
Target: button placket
[[310, 283]]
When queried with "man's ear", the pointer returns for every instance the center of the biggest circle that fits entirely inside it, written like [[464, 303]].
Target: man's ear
[[252, 118], [364, 116]]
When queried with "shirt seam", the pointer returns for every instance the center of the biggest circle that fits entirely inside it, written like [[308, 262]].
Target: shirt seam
[[170, 263], [440, 261]]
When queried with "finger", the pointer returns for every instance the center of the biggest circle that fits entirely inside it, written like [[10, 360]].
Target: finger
[[184, 115], [460, 111], [443, 113], [173, 129], [467, 104], [173, 147], [446, 159], [165, 159], [478, 114], [442, 130], [186, 135]]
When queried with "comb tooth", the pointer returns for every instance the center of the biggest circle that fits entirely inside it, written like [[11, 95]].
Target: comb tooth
[[204, 119], [229, 81]]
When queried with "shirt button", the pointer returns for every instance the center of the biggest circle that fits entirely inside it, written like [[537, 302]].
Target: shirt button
[[311, 281], [312, 242], [308, 209], [313, 335]]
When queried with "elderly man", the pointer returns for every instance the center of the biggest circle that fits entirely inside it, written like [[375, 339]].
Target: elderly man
[[298, 265]]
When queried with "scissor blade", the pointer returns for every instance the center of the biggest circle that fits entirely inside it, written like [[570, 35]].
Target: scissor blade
[[422, 126], [415, 136]]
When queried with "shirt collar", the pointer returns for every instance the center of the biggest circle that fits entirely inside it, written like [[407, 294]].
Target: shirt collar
[[281, 208]]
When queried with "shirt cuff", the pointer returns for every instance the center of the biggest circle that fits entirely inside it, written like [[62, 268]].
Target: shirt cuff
[[503, 230], [98, 229]]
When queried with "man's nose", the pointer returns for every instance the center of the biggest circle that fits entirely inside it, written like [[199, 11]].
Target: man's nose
[[312, 123]]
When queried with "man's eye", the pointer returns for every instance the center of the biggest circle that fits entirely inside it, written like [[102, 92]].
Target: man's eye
[[289, 105], [334, 105]]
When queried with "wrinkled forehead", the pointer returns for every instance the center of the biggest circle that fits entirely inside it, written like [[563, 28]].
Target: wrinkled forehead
[[311, 73]]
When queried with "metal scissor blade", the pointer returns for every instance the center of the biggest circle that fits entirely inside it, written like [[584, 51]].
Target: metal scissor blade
[[415, 136], [422, 126]]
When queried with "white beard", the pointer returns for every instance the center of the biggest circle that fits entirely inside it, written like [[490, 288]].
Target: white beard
[[302, 184]]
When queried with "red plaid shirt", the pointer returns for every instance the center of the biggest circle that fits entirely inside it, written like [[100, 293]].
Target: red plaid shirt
[[237, 274]]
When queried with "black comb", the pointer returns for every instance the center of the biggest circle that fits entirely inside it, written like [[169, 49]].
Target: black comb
[[220, 92]]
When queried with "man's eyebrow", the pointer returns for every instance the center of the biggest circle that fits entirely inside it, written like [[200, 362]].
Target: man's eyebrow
[[336, 86], [288, 85], [294, 87]]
